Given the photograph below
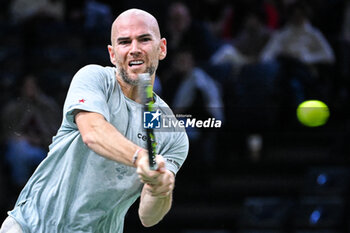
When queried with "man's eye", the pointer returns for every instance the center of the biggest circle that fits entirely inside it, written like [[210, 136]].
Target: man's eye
[[145, 39], [124, 42]]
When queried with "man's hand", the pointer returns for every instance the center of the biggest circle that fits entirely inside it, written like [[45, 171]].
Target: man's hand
[[156, 195], [159, 183]]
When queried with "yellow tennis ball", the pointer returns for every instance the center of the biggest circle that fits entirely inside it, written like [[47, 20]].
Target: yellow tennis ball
[[313, 113]]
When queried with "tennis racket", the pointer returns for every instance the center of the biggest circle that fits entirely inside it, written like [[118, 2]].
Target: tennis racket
[[146, 93]]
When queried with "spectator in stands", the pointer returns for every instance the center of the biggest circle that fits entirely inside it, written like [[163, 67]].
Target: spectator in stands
[[28, 123], [183, 30], [246, 47], [252, 92], [298, 47], [191, 91], [253, 37], [194, 80], [252, 81], [300, 40], [34, 18], [219, 18], [25, 10]]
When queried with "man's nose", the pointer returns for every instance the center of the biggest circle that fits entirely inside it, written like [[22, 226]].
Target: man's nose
[[135, 48]]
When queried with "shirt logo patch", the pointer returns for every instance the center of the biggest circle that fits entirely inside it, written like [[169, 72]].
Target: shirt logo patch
[[82, 101], [174, 162]]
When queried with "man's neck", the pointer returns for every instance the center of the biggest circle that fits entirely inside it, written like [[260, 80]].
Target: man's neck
[[130, 91]]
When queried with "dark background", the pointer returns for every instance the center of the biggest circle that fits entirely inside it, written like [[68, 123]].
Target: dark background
[[297, 182]]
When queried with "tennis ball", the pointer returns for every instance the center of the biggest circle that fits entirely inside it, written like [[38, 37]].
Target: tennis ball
[[313, 113]]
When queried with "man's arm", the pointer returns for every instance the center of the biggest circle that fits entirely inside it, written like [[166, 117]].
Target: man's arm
[[156, 196], [153, 209], [103, 138]]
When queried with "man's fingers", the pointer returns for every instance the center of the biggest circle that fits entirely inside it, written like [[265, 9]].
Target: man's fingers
[[161, 164], [159, 191], [143, 168], [149, 176], [147, 180]]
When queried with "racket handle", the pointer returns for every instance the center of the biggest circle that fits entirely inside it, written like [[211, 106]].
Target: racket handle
[[151, 144], [146, 93], [153, 164]]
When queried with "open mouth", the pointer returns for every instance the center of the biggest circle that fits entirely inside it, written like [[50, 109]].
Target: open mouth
[[136, 63]]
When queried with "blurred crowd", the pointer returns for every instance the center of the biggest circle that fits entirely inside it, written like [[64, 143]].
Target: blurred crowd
[[248, 63]]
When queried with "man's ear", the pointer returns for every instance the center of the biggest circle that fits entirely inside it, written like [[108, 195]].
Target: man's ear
[[163, 49], [111, 55]]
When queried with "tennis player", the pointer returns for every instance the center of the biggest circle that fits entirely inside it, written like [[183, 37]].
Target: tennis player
[[97, 166]]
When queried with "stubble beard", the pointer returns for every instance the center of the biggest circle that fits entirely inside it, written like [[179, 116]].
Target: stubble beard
[[134, 82]]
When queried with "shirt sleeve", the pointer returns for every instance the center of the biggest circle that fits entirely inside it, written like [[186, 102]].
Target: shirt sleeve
[[89, 91], [176, 153]]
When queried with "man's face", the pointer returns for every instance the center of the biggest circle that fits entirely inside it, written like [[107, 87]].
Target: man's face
[[136, 48]]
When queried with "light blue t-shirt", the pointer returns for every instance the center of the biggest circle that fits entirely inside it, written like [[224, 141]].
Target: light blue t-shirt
[[76, 190]]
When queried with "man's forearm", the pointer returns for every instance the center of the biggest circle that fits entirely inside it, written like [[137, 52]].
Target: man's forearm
[[103, 138], [153, 209]]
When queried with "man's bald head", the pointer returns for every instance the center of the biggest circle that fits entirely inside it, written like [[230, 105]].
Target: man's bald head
[[133, 14]]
